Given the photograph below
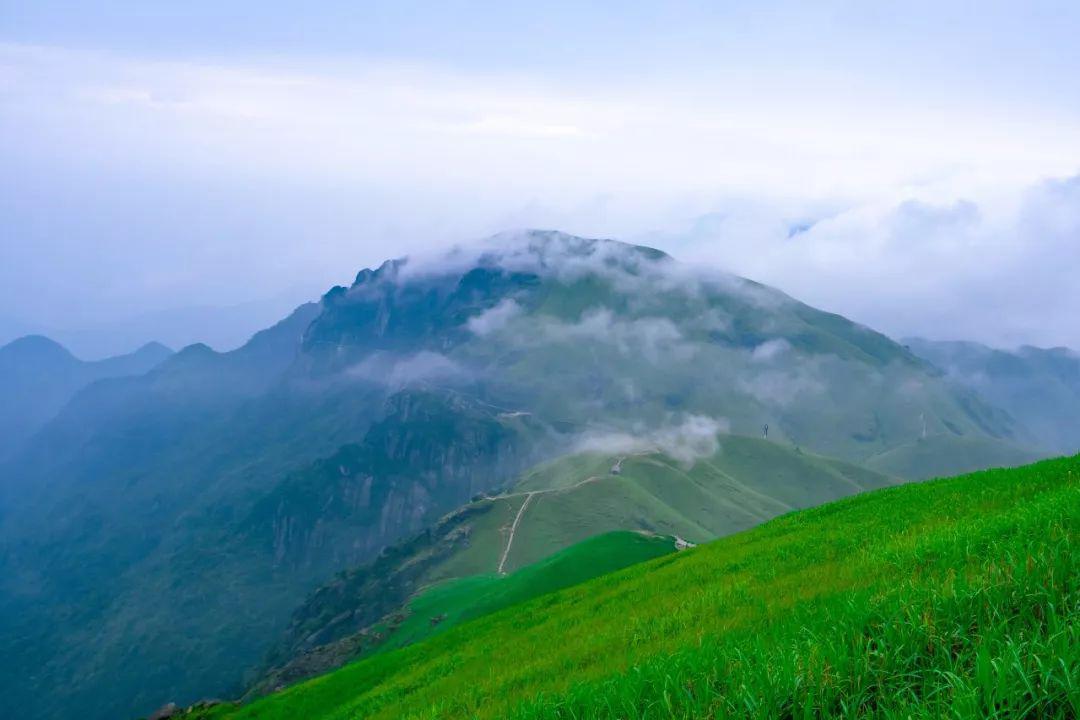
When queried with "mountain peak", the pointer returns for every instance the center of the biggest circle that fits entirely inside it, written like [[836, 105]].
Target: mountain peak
[[155, 349], [38, 347], [551, 248], [533, 251]]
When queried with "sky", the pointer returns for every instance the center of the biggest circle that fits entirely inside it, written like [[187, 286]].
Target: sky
[[912, 166]]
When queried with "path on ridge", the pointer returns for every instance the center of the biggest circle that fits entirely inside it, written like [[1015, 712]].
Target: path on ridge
[[513, 529], [528, 498]]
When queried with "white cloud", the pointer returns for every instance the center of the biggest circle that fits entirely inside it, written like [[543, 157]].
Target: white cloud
[[510, 125], [782, 387], [397, 371], [399, 123], [494, 318], [686, 439], [770, 349], [997, 264], [654, 338], [915, 228]]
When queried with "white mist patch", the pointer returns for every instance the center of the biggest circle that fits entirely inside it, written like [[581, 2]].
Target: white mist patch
[[692, 438], [642, 275], [401, 371], [547, 253], [495, 318], [781, 386], [939, 259], [770, 349], [653, 337]]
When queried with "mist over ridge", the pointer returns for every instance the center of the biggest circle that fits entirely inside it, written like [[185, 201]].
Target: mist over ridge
[[466, 361]]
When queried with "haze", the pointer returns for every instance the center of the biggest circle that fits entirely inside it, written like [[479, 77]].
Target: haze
[[915, 169]]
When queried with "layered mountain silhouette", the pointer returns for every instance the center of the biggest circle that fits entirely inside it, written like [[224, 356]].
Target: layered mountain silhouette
[[158, 533], [38, 377], [1040, 387]]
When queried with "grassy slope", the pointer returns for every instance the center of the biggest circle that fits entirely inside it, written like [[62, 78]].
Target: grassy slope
[[456, 601], [947, 454], [409, 613], [747, 482], [574, 498], [954, 598]]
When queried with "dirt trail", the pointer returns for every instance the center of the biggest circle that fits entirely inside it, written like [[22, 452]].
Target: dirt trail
[[528, 498], [513, 529]]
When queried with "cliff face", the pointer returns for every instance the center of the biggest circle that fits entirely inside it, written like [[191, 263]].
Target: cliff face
[[429, 453], [330, 627]]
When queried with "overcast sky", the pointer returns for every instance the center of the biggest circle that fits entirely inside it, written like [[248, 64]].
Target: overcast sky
[[912, 167]]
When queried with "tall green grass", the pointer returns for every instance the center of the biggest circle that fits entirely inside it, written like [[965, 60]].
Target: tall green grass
[[455, 601], [955, 598], [996, 637]]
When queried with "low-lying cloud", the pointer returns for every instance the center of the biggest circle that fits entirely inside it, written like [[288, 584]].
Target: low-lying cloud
[[653, 337], [495, 318], [996, 266], [687, 440], [770, 349], [402, 371]]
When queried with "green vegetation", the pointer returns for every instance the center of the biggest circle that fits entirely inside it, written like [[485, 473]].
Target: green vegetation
[[383, 591], [954, 598], [157, 535], [946, 454], [577, 497], [455, 601], [747, 481]]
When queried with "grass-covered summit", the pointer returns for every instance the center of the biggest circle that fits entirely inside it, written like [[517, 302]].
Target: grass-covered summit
[[954, 598], [158, 533]]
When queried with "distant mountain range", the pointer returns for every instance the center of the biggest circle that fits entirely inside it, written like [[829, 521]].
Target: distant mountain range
[[160, 527], [222, 327], [38, 377], [1038, 387]]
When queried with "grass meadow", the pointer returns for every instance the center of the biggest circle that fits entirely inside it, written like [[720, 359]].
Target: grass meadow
[[953, 598]]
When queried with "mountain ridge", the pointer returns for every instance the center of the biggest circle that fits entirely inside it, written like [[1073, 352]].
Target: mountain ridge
[[554, 506], [1038, 386], [905, 601], [161, 493], [38, 376]]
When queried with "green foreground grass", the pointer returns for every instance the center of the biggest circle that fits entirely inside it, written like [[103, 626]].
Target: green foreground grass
[[455, 601], [953, 598]]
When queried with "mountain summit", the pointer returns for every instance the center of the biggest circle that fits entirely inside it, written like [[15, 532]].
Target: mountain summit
[[188, 510], [601, 332]]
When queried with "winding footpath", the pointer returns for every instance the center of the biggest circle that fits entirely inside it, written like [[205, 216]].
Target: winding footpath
[[615, 470], [513, 529]]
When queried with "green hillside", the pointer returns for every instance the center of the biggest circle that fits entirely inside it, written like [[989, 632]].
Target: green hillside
[[947, 454], [557, 505], [953, 598], [456, 601], [448, 603], [158, 532], [746, 482]]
